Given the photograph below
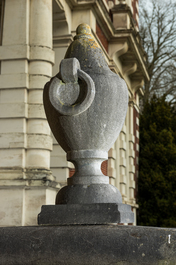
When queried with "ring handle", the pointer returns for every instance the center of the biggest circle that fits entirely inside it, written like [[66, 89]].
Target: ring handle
[[70, 72]]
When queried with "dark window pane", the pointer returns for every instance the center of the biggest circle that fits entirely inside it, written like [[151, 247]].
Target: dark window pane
[[2, 4]]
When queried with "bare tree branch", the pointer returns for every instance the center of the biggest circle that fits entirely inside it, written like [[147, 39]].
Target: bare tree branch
[[158, 34]]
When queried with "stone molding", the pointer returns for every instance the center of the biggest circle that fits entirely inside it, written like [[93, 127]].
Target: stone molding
[[85, 245]]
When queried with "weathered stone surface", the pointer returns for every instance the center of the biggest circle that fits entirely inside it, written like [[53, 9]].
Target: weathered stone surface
[[97, 127], [87, 245], [86, 105]]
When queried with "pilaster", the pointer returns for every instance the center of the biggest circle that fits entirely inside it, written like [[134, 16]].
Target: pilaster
[[123, 163], [111, 165], [14, 83], [131, 142]]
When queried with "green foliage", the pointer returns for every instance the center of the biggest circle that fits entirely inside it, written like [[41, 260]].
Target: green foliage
[[157, 164]]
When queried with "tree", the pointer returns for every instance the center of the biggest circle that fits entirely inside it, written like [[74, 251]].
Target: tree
[[157, 164], [158, 35]]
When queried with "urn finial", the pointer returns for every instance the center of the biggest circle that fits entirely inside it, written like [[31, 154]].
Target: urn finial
[[86, 105], [83, 29]]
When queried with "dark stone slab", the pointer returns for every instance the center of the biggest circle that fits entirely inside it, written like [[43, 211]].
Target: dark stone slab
[[97, 213], [87, 245]]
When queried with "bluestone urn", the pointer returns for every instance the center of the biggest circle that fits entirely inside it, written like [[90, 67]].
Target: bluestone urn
[[86, 105]]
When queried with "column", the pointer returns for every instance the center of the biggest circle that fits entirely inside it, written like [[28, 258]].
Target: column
[[62, 37], [39, 142], [25, 142], [42, 186]]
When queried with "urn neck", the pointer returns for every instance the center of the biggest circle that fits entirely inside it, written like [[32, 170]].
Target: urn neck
[[87, 167]]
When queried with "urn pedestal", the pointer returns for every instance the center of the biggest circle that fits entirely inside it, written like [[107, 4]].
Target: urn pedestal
[[86, 105]]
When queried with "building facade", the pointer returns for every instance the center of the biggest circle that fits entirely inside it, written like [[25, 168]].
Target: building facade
[[34, 36]]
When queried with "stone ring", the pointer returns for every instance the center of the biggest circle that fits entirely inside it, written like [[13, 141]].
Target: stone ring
[[64, 94]]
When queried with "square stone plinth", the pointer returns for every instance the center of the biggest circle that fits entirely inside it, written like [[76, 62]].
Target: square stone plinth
[[99, 213]]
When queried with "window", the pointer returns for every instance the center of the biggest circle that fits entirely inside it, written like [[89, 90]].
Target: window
[[2, 4]]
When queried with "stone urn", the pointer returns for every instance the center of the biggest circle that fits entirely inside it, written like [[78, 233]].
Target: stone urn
[[86, 105]]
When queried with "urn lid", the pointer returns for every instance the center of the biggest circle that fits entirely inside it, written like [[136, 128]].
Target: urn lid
[[87, 51]]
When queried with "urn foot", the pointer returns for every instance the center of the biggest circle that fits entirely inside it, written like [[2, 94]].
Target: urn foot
[[88, 194], [88, 198]]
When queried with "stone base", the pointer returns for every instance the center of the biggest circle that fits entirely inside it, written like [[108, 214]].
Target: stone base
[[98, 213]]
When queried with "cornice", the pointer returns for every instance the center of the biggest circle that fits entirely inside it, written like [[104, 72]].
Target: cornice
[[124, 44]]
